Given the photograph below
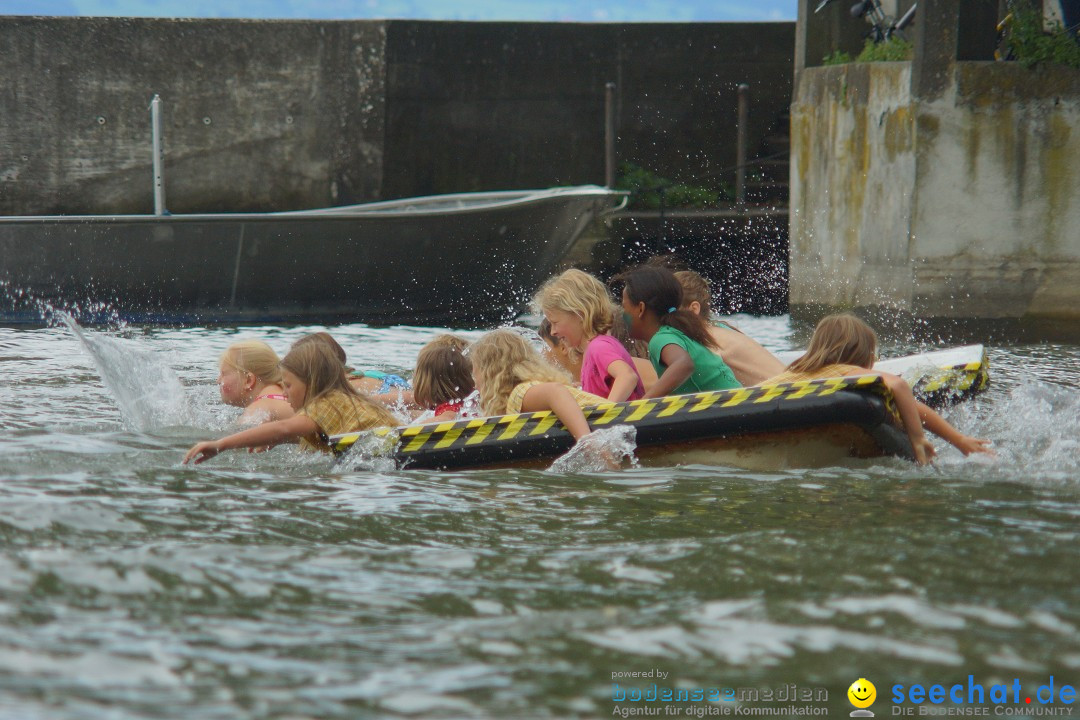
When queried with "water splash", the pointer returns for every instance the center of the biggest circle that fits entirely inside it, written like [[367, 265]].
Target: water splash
[[146, 390], [600, 450], [26, 305], [371, 452], [1035, 426], [529, 335], [400, 407], [470, 406]]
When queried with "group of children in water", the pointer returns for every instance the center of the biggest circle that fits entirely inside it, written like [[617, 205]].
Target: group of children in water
[[660, 342]]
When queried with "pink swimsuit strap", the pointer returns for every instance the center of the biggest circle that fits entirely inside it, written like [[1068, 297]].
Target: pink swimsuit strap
[[270, 396]]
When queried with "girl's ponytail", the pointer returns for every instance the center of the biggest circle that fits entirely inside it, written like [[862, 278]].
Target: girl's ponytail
[[661, 292], [691, 325]]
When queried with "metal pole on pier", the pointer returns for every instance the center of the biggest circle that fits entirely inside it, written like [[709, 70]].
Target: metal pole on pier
[[609, 134], [159, 156], [740, 143]]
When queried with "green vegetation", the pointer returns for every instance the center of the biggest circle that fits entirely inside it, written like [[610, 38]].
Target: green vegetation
[[892, 50], [1030, 45], [1026, 40], [647, 188], [837, 57]]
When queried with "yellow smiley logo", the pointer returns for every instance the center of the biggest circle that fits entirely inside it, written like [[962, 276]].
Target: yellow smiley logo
[[862, 693]]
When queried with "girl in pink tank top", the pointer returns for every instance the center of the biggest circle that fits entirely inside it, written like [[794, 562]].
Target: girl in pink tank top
[[581, 313]]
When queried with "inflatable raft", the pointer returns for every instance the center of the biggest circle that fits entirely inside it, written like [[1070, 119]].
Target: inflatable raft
[[939, 378], [811, 423]]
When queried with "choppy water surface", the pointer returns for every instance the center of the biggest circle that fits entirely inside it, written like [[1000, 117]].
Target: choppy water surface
[[275, 586]]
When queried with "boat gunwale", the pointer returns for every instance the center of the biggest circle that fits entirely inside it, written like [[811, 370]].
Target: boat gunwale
[[382, 210]]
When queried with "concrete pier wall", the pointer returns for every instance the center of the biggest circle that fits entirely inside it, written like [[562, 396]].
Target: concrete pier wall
[[257, 115], [852, 175], [276, 115], [964, 203], [996, 230]]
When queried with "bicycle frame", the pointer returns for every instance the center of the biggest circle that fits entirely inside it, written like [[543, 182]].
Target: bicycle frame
[[882, 26]]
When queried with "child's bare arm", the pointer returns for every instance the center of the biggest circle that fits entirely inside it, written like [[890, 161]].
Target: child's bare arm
[[679, 366], [271, 433], [394, 397], [626, 380], [557, 399], [941, 427], [265, 410], [909, 413], [444, 416]]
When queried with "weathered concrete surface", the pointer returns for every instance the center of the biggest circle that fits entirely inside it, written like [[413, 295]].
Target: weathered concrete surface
[[964, 204], [997, 226], [475, 106], [278, 115], [852, 171], [257, 115]]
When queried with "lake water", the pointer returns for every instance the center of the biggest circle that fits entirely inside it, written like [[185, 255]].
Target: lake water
[[277, 586]]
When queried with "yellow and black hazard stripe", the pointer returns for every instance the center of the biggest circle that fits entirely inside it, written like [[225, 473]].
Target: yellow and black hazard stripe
[[861, 400], [950, 385]]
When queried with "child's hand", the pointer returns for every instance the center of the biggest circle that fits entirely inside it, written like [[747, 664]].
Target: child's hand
[[203, 451], [599, 449], [924, 451], [967, 445]]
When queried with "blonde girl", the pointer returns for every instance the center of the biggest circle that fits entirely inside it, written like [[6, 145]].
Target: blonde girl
[[843, 345], [249, 377], [748, 360], [443, 377], [512, 377], [325, 403], [581, 314]]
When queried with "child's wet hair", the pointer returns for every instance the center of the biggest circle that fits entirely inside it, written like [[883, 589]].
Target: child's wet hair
[[255, 357], [323, 337], [443, 372], [696, 289], [502, 359], [662, 294], [840, 339], [320, 369], [580, 294], [671, 261], [544, 331]]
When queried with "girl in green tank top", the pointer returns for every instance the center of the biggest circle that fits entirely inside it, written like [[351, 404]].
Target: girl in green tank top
[[680, 346]]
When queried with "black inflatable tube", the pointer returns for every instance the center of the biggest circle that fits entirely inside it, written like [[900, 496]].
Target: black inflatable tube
[[670, 420]]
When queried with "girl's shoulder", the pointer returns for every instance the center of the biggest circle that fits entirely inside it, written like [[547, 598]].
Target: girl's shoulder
[[604, 344], [667, 335], [843, 369], [271, 396], [828, 371], [327, 399], [517, 395]]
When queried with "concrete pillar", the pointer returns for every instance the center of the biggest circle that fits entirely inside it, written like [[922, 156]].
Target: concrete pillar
[[936, 31], [820, 34], [803, 37]]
